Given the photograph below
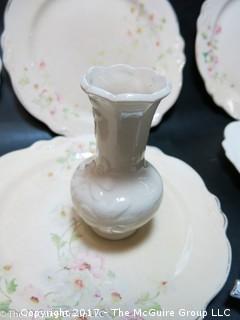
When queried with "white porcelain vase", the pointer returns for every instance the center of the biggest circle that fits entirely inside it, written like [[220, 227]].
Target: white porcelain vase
[[118, 191]]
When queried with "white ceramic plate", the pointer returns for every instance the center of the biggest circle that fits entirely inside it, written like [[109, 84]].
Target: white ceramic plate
[[0, 69], [49, 45], [218, 51], [49, 258], [231, 143]]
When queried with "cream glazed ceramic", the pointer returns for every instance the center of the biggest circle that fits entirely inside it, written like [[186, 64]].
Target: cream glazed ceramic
[[218, 50], [119, 191], [48, 45], [231, 143], [50, 258], [0, 70]]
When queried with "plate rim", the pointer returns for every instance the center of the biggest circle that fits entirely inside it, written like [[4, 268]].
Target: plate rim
[[227, 144]]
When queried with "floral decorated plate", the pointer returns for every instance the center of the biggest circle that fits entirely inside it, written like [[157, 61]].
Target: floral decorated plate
[[51, 260], [218, 50], [231, 143], [49, 45]]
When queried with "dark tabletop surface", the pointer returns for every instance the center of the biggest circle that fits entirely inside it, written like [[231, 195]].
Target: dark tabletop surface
[[192, 131]]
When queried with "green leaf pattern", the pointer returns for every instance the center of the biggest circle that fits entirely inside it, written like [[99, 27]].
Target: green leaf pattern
[[11, 286]]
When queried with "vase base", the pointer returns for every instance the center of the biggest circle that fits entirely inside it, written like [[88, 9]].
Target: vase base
[[113, 235]]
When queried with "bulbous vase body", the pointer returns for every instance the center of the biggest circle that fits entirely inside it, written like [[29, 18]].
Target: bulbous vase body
[[118, 191]]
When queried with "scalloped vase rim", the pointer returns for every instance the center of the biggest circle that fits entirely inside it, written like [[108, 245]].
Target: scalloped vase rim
[[91, 88]]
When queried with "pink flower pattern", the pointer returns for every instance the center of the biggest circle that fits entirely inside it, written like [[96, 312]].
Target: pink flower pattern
[[90, 262]]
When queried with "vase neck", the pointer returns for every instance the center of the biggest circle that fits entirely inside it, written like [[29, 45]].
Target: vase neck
[[122, 131]]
